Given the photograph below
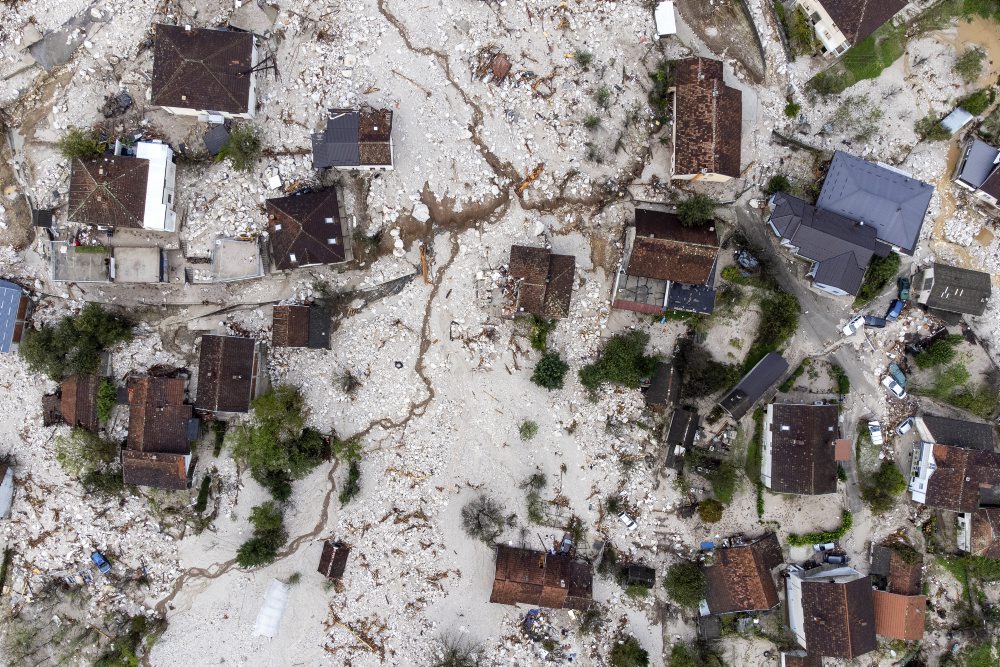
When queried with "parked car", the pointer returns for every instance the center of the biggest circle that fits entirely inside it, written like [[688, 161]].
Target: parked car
[[904, 289], [905, 426], [894, 310], [897, 389], [839, 559], [628, 521], [101, 562], [872, 321], [856, 323], [819, 548], [898, 375], [875, 431]]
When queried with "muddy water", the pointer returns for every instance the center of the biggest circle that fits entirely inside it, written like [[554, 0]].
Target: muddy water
[[985, 34]]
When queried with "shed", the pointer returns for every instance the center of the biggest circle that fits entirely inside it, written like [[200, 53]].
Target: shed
[[13, 315], [956, 120], [333, 561], [6, 490], [666, 21], [640, 575], [761, 378], [78, 401]]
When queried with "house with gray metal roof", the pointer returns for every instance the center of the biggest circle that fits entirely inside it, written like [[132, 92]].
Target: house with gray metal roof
[[754, 385], [838, 248], [355, 139], [888, 199], [13, 315], [952, 289], [978, 170]]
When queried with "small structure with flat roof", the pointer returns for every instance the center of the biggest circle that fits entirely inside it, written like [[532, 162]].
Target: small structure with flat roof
[[355, 139], [953, 289], [233, 260], [978, 171], [131, 264], [542, 281], [541, 579], [301, 326], [14, 303], [798, 454], [333, 560], [754, 385], [227, 374], [79, 264]]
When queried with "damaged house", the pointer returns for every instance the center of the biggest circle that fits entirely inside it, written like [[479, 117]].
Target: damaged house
[[840, 24], [204, 72], [355, 139], [667, 266], [708, 123], [798, 454], [78, 401], [740, 578], [333, 560], [541, 579], [978, 171], [14, 303], [301, 326], [227, 374], [900, 609], [951, 289], [307, 229], [158, 452], [831, 610], [542, 281]]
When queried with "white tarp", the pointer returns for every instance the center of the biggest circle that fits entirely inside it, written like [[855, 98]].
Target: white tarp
[[269, 617], [666, 23]]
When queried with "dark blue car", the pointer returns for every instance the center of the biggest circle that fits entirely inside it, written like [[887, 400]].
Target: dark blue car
[[894, 310], [101, 562]]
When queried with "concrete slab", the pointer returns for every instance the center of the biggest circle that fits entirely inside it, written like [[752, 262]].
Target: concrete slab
[[236, 260], [138, 265], [80, 264]]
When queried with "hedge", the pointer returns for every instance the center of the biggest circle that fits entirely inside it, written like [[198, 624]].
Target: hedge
[[808, 539]]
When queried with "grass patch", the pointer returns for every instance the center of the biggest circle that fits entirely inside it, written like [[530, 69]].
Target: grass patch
[[736, 276], [541, 327], [796, 374], [952, 385], [864, 60], [107, 395], [527, 430], [807, 539]]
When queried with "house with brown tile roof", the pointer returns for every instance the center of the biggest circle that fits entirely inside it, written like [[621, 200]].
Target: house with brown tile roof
[[666, 266], [840, 24], [708, 123], [979, 532], [900, 616], [204, 72], [227, 374], [132, 191], [156, 470], [542, 281], [541, 579], [831, 610], [740, 577], [799, 448], [78, 401], [953, 478], [158, 430], [300, 326], [897, 567], [355, 139], [308, 229]]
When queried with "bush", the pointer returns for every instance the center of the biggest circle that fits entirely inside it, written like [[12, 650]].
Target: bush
[[74, 345], [243, 147], [792, 110], [80, 144], [454, 650], [779, 320], [81, 452], [929, 128], [550, 371], [978, 102], [106, 482], [527, 430], [584, 58], [841, 473], [629, 653], [777, 183], [592, 122], [685, 584], [701, 374], [969, 65], [269, 535], [622, 361], [107, 396], [710, 510], [540, 329], [808, 539], [125, 648], [697, 210], [695, 655], [939, 353], [725, 480], [483, 519], [352, 485], [801, 37], [202, 503], [952, 385], [881, 271], [843, 381], [660, 96], [881, 491], [603, 97]]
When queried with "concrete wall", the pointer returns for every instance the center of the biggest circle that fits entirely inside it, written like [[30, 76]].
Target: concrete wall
[[827, 32]]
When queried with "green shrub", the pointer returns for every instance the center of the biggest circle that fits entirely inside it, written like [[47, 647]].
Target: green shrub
[[550, 371], [777, 183], [660, 97], [243, 147], [107, 396], [527, 430], [881, 490], [929, 128], [792, 110], [81, 452], [790, 382], [939, 353], [841, 473], [846, 521], [969, 65], [541, 327], [603, 97], [352, 485], [622, 361], [952, 385], [725, 480], [779, 320], [685, 584], [881, 271], [80, 144], [592, 121], [979, 101], [842, 379], [697, 210], [105, 481], [628, 652], [202, 503], [710, 510], [74, 345], [269, 535], [584, 58], [702, 375]]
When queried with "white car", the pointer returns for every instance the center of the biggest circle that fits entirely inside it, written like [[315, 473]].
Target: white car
[[628, 521], [875, 431], [897, 389], [819, 548], [852, 327], [905, 426]]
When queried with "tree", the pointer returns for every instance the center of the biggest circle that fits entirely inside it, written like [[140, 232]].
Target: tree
[[81, 452], [693, 655], [483, 519], [778, 183], [74, 345], [352, 485], [696, 210], [792, 109], [725, 479], [628, 652], [929, 127], [622, 361], [939, 353], [269, 535], [970, 64], [80, 144], [685, 584], [454, 650], [243, 147], [979, 101], [702, 375], [550, 371], [710, 510], [881, 490]]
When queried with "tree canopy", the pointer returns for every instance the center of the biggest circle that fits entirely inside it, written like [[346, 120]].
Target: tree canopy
[[685, 584], [622, 361], [74, 345]]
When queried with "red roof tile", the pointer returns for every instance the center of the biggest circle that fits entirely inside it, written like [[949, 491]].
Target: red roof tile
[[108, 191], [709, 120], [158, 416], [900, 616]]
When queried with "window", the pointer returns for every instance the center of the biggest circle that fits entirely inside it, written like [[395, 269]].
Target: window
[[170, 198]]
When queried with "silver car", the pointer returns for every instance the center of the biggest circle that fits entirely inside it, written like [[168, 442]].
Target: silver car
[[897, 389]]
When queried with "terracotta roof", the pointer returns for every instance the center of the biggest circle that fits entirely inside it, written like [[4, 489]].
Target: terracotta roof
[[858, 19], [227, 374], [161, 471], [306, 229], [842, 449], [801, 659], [108, 191], [740, 579], [709, 121], [545, 280], [524, 576], [78, 402], [904, 577], [202, 69], [839, 619], [158, 417], [900, 616], [960, 474], [354, 138], [333, 560], [802, 448], [664, 259], [290, 326], [986, 532]]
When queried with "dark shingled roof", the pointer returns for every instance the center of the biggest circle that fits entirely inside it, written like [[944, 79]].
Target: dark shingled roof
[[333, 560], [754, 385], [858, 19], [960, 477], [227, 374], [545, 281], [802, 449], [683, 427], [839, 619], [960, 433], [13, 314], [202, 69], [354, 139], [991, 185], [109, 191], [78, 401], [956, 290], [986, 532], [301, 326], [308, 227], [664, 387], [709, 122], [158, 416], [161, 471], [842, 246], [900, 616], [740, 578], [524, 576]]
